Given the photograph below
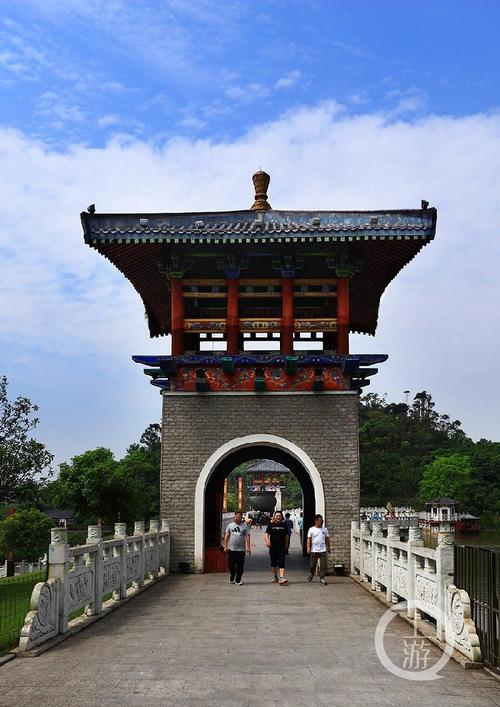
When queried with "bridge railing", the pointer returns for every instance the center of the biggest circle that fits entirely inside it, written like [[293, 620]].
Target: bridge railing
[[420, 576], [89, 580]]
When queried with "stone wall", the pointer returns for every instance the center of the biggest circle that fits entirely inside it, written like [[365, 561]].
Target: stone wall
[[324, 426]]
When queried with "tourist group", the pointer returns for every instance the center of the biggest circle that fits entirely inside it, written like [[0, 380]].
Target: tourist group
[[277, 538]]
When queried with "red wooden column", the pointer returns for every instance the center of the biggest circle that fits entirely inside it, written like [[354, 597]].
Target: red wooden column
[[240, 494], [177, 316], [232, 333], [343, 315], [225, 497], [287, 315]]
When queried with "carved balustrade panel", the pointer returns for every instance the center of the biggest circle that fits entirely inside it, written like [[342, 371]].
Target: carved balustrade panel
[[381, 570], [111, 574], [133, 564], [42, 620], [111, 566], [460, 629], [400, 580], [151, 555], [81, 588], [426, 594], [357, 557], [367, 561]]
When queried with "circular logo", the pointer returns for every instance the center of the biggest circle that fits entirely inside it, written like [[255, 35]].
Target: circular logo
[[416, 663]]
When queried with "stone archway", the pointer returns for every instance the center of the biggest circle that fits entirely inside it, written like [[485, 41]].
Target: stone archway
[[317, 433], [260, 443]]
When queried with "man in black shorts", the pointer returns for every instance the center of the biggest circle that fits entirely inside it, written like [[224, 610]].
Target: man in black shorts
[[277, 539]]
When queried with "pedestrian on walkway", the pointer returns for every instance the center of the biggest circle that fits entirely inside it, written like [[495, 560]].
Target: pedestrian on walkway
[[236, 544], [300, 526], [318, 544], [288, 523], [277, 539]]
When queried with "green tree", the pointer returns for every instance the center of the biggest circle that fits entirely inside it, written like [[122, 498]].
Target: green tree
[[99, 487], [143, 462], [292, 493], [24, 462], [26, 534], [231, 501], [483, 496], [397, 441], [446, 476]]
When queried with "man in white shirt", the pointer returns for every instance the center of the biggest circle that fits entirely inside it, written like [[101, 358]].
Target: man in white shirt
[[318, 544]]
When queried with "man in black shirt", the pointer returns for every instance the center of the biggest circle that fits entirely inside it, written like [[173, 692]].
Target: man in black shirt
[[277, 540]]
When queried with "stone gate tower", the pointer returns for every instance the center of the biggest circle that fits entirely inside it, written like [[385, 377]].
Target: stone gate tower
[[259, 304]]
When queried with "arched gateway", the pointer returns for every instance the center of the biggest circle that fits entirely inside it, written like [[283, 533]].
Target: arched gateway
[[259, 304], [227, 457]]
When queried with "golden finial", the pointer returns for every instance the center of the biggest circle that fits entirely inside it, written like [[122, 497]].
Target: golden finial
[[261, 182]]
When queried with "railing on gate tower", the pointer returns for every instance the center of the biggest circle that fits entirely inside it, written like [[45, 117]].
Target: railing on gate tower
[[477, 570]]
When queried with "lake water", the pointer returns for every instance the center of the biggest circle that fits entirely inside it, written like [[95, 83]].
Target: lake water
[[486, 538]]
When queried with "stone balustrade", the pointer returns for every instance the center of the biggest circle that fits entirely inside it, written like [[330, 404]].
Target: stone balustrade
[[422, 577], [400, 511], [83, 577]]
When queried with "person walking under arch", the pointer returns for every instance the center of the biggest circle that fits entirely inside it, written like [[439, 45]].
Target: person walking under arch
[[318, 544], [277, 540], [236, 544], [300, 526], [288, 522]]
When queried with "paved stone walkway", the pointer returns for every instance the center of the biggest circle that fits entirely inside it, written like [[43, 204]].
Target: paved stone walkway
[[196, 640]]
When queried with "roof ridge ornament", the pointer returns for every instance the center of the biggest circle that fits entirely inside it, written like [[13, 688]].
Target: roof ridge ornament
[[261, 183]]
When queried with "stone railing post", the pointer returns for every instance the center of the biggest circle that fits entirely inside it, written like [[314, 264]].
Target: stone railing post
[[154, 541], [444, 575], [364, 530], [377, 534], [392, 537], [94, 537], [414, 540], [139, 530], [354, 526], [58, 569], [121, 534], [165, 546]]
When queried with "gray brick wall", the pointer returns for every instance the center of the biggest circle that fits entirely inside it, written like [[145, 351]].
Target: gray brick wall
[[195, 426]]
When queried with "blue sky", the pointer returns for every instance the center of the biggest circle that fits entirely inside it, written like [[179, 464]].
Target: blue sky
[[171, 106], [82, 71]]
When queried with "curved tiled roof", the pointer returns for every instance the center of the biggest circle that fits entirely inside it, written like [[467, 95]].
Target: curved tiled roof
[[266, 466], [204, 227], [383, 241]]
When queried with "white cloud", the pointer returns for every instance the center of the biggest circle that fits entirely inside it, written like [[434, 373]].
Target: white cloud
[[193, 122], [57, 108], [106, 120], [358, 98], [171, 34], [291, 79], [69, 321], [247, 93], [410, 100]]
